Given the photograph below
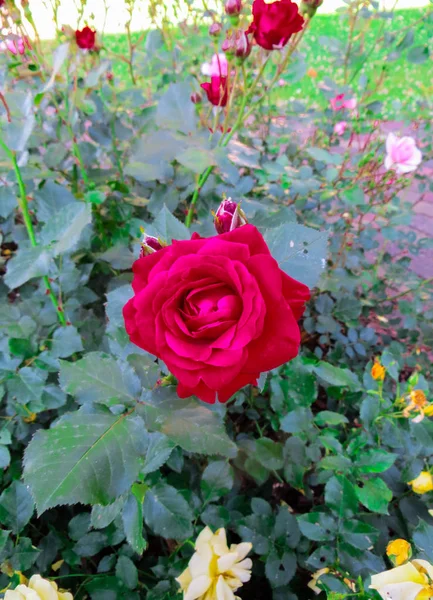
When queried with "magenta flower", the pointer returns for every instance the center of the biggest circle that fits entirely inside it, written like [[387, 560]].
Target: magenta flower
[[340, 103], [402, 154]]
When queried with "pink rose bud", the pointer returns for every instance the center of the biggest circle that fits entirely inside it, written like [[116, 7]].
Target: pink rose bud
[[196, 98], [237, 44], [233, 7], [17, 46], [215, 29], [340, 127], [149, 245], [229, 216]]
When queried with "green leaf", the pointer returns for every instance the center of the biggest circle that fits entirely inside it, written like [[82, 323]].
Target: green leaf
[[16, 507], [327, 417], [335, 463], [196, 159], [375, 461], [318, 527], [158, 452], [340, 495], [66, 341], [167, 512], [375, 495], [297, 421], [358, 534], [269, 454], [354, 196], [280, 571], [90, 458], [8, 201], [167, 227], [423, 538], [27, 264], [300, 251], [58, 58], [127, 572], [132, 517], [189, 423], [25, 554], [52, 198], [100, 378], [336, 376], [102, 516], [217, 480], [418, 55], [63, 231], [27, 385], [175, 109], [5, 457], [323, 155]]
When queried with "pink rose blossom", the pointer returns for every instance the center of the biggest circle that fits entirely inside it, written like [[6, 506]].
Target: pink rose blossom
[[339, 103], [218, 67], [402, 154], [340, 128]]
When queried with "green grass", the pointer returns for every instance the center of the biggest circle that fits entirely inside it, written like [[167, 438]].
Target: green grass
[[404, 81]]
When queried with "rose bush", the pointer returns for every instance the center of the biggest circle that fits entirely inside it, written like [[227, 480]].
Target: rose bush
[[109, 154], [218, 311]]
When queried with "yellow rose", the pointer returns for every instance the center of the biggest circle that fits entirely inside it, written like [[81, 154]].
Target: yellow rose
[[423, 483], [37, 589], [215, 571], [412, 581], [378, 371], [399, 551]]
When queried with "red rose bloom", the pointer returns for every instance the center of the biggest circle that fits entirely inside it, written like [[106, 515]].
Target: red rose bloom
[[218, 311], [217, 90], [273, 24], [85, 38]]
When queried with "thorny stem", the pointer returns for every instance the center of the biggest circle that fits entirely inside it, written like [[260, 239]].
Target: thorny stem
[[414, 289], [24, 208]]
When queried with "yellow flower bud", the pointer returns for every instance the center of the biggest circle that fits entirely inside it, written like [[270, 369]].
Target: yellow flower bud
[[399, 551], [423, 483], [378, 371], [428, 411]]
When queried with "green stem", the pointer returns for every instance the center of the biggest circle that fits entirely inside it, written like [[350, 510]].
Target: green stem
[[24, 208]]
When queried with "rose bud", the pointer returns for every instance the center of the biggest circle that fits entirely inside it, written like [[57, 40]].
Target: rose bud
[[86, 38], [274, 23], [150, 244], [233, 7], [229, 216], [308, 7], [237, 44], [215, 29], [196, 98]]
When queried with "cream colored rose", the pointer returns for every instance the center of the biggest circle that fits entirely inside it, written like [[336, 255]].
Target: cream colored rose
[[412, 581], [37, 589], [215, 571]]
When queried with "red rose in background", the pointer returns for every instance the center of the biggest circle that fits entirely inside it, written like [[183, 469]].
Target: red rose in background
[[274, 24], [217, 90], [85, 38], [218, 311]]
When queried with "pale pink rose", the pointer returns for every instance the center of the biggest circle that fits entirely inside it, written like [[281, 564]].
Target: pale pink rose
[[339, 103], [281, 82], [340, 128], [218, 67], [402, 154], [16, 46]]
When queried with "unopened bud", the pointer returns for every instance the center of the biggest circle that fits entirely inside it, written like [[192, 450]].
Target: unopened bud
[[215, 29], [196, 98], [229, 216], [308, 7], [237, 44], [233, 7], [150, 244]]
